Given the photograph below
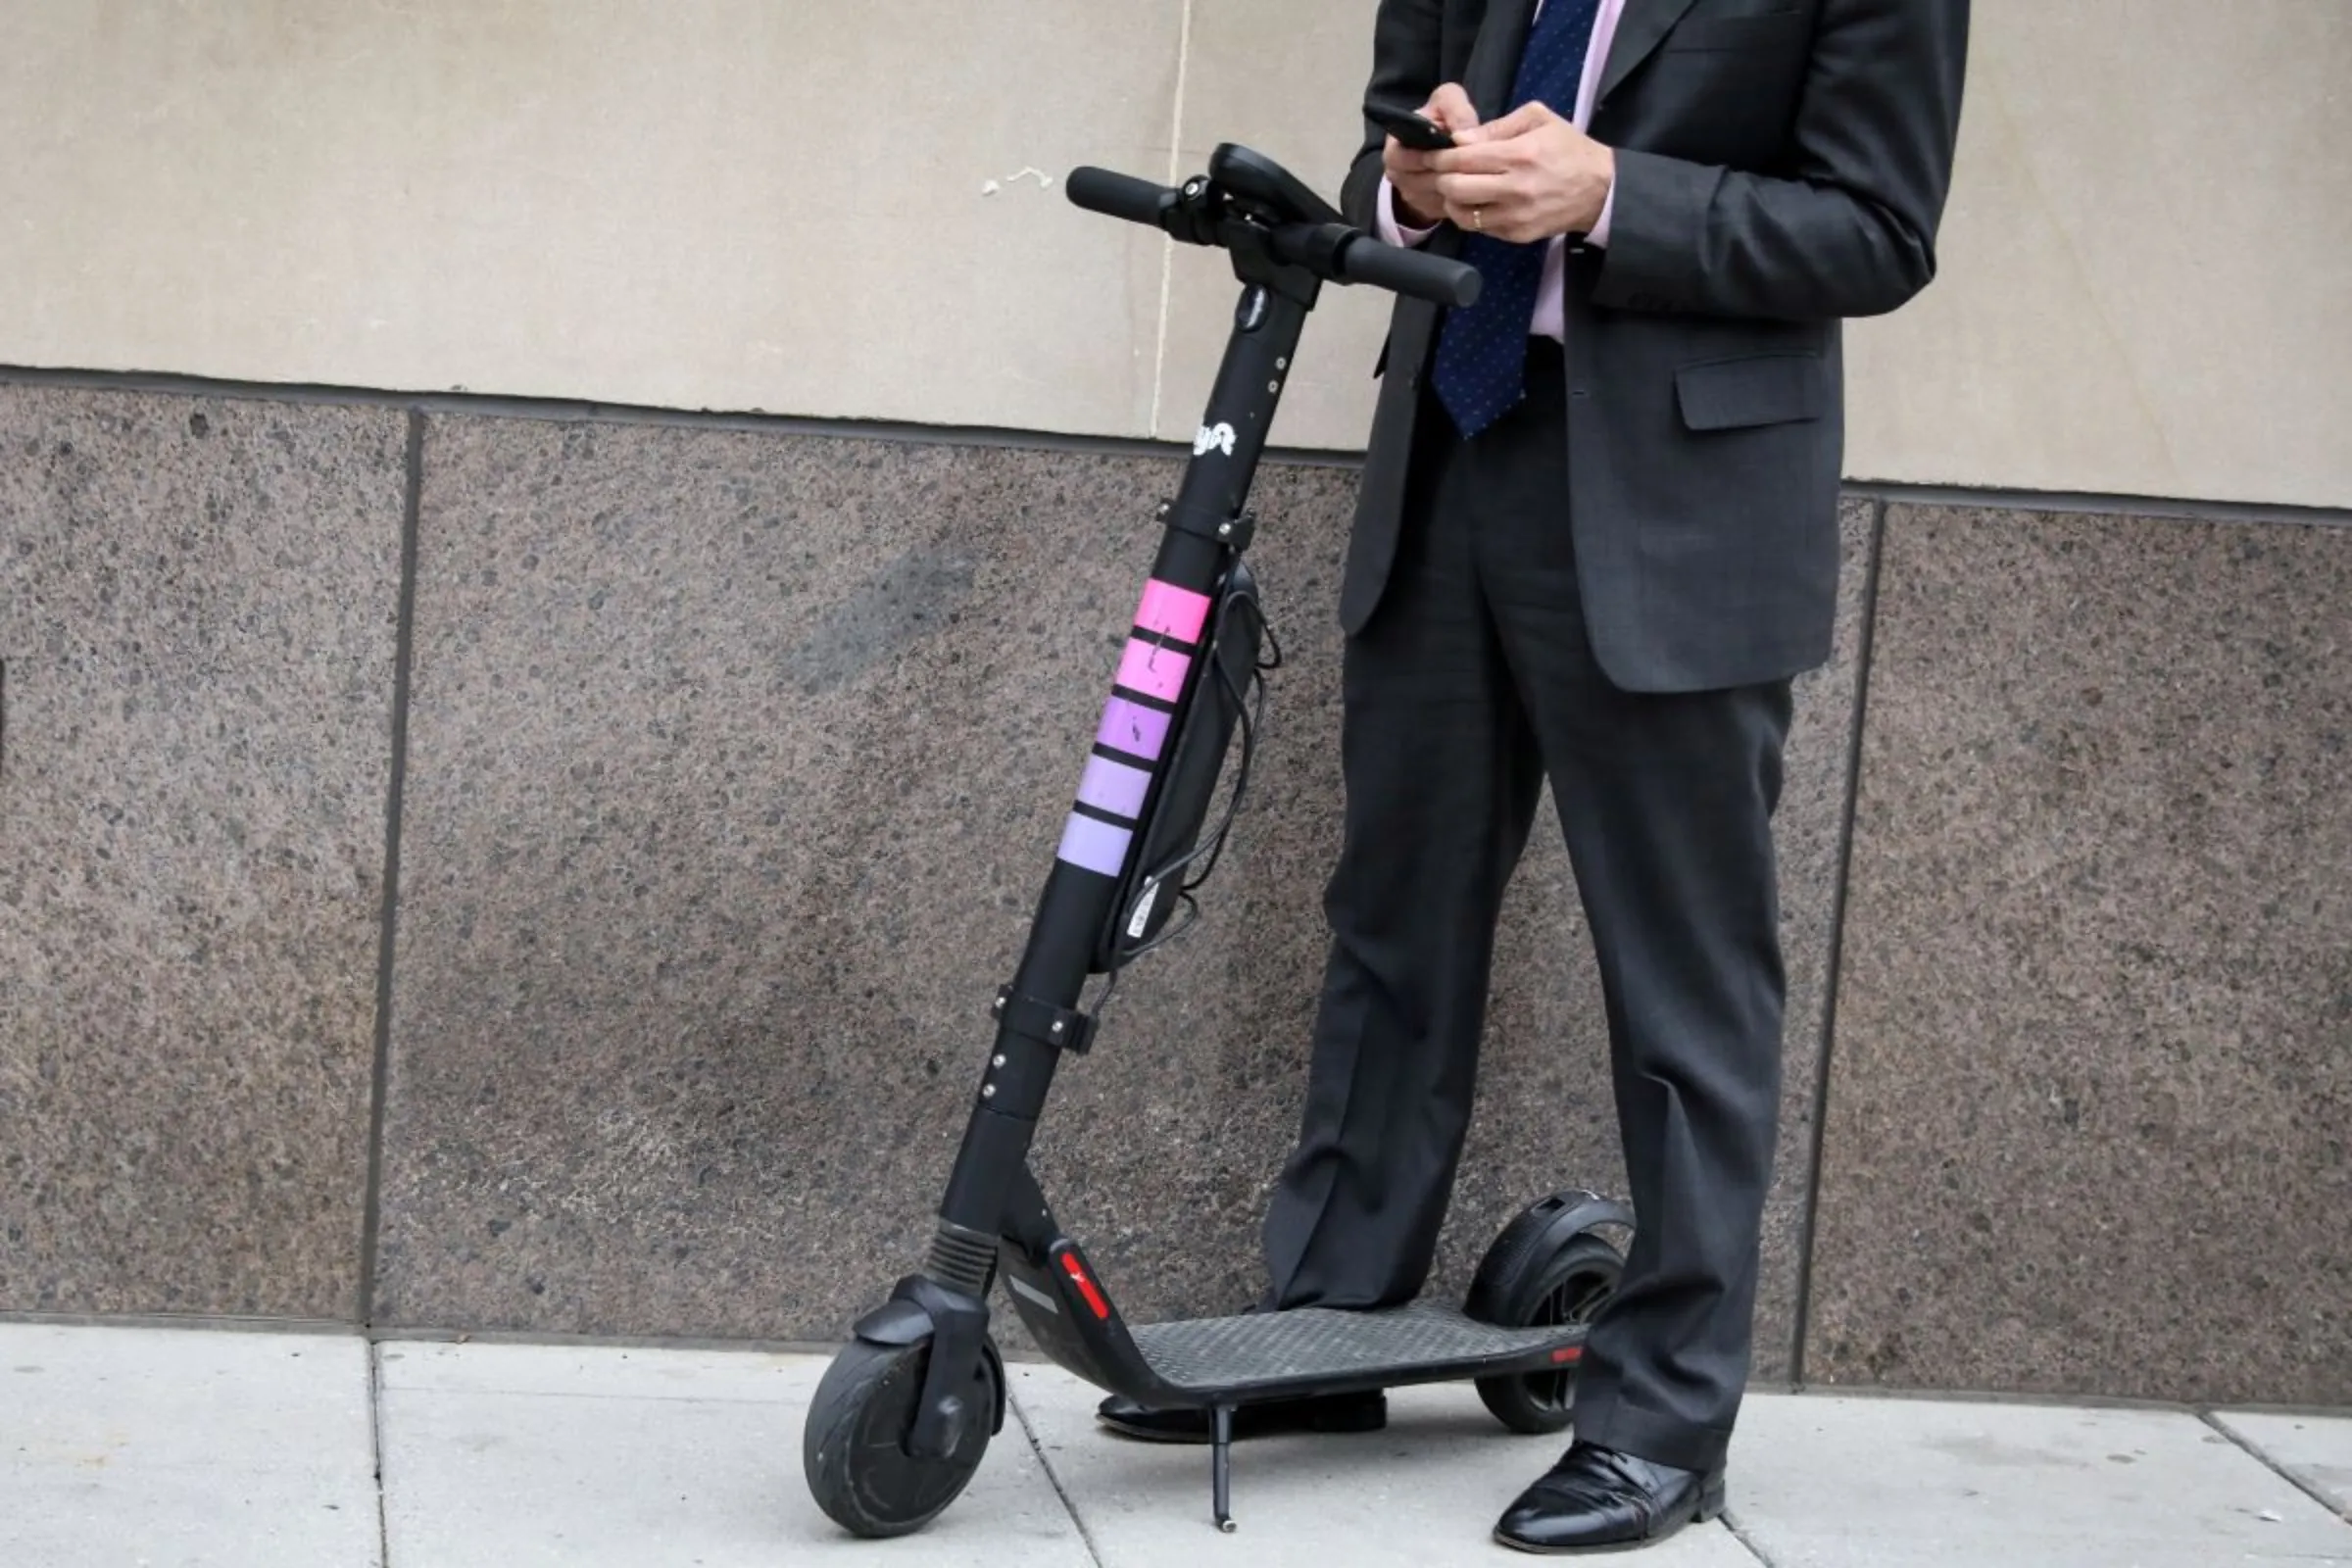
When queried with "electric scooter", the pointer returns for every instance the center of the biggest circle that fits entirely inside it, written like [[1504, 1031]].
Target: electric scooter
[[903, 1414]]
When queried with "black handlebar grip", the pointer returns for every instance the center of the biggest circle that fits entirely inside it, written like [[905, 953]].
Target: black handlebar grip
[[1415, 272], [1098, 190]]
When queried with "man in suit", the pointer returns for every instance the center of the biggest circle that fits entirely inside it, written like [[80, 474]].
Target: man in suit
[[1596, 538]]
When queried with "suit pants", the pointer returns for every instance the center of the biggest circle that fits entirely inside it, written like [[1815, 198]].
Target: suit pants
[[1473, 683]]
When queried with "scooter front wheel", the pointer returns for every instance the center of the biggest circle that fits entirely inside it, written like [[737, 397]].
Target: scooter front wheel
[[854, 1448]]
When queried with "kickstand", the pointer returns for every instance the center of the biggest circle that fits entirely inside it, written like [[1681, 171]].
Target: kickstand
[[1220, 1465]]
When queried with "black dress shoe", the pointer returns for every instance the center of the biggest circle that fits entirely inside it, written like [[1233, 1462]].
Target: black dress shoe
[[1597, 1499], [1332, 1412]]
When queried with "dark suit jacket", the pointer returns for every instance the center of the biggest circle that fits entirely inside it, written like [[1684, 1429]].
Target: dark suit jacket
[[1780, 164]]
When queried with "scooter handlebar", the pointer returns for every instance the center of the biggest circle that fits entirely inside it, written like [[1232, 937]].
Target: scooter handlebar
[[1138, 201], [1332, 250], [1418, 273]]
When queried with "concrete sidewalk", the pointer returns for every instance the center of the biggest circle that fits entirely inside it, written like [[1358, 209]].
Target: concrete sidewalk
[[131, 1447]]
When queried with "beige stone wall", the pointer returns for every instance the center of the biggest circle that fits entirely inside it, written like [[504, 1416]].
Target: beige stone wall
[[818, 209]]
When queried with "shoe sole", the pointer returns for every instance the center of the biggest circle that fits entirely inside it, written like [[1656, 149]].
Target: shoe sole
[[1605, 1548]]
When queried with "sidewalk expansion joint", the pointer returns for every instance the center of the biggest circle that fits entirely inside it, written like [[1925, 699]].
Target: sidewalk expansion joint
[[1069, 1506], [1731, 1523], [375, 1439], [2274, 1467]]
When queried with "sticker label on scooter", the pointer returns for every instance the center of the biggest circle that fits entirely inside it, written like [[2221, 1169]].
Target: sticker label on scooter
[[1154, 671], [1133, 728], [1218, 436], [1114, 787], [1093, 845], [1150, 669], [1142, 907], [1168, 611], [1030, 1293]]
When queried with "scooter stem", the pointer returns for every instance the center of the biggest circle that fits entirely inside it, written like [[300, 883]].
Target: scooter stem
[[1160, 673]]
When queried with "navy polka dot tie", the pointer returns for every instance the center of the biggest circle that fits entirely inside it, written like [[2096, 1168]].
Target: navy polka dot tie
[[1482, 353]]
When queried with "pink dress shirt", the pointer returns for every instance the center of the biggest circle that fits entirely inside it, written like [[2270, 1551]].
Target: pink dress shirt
[[1548, 320]]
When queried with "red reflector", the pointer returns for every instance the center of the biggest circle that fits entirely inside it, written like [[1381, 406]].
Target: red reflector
[[1567, 1353], [1086, 1287]]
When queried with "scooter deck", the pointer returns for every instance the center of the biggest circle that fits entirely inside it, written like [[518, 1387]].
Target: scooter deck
[[1418, 1342]]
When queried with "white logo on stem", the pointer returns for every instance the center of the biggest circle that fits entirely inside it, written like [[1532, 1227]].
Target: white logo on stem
[[1222, 437]]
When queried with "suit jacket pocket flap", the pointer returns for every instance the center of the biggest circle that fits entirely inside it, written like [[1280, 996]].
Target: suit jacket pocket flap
[[1755, 389]]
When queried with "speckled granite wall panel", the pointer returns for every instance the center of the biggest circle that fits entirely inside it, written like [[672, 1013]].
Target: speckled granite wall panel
[[736, 763], [2094, 1064], [198, 603]]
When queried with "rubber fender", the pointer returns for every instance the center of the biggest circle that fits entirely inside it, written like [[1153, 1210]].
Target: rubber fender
[[1539, 1229], [899, 1323]]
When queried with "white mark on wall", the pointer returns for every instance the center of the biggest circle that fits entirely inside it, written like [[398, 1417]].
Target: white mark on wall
[[1167, 253], [1044, 181]]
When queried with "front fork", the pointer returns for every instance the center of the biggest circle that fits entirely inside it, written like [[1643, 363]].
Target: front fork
[[1161, 671]]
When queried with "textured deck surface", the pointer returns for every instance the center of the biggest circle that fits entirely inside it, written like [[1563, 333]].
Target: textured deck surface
[[1314, 1342]]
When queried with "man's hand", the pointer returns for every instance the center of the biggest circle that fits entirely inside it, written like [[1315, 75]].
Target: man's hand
[[1413, 176], [1527, 177]]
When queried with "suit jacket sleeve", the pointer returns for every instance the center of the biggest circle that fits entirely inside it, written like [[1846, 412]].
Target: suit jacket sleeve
[[1405, 62], [1850, 230]]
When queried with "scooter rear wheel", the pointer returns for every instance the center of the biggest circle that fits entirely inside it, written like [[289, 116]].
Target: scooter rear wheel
[[1518, 1286], [853, 1447]]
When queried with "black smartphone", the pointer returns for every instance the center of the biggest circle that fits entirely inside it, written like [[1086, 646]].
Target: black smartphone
[[1411, 129]]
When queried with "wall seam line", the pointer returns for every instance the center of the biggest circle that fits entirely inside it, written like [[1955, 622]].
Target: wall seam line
[[388, 925], [1833, 967]]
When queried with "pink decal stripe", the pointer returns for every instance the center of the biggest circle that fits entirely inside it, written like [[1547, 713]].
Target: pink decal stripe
[[1172, 612], [1114, 787], [1133, 728], [1154, 671], [1092, 845]]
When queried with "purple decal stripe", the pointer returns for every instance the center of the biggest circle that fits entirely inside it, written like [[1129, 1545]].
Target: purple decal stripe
[[1114, 787], [1133, 728], [1154, 671], [1092, 845]]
